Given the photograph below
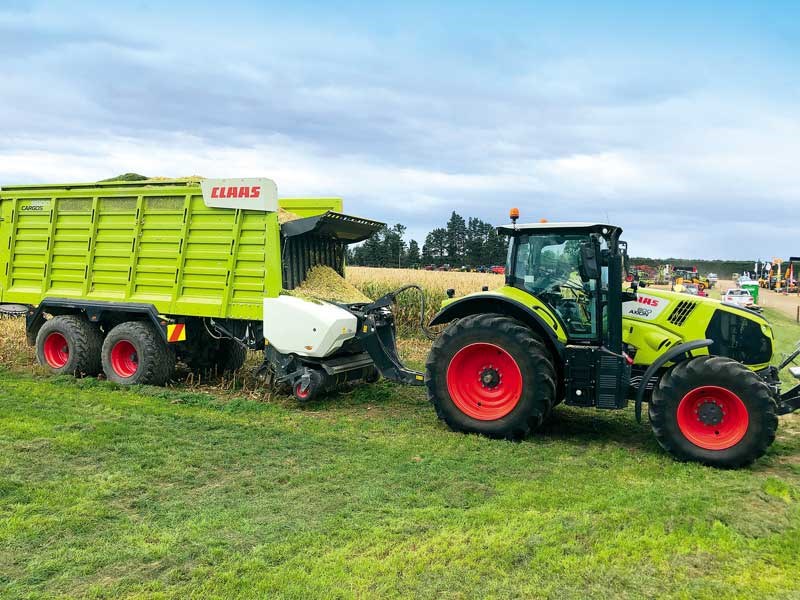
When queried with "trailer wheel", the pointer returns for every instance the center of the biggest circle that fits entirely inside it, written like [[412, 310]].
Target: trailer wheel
[[135, 353], [230, 356], [492, 375], [713, 410], [206, 353], [69, 344]]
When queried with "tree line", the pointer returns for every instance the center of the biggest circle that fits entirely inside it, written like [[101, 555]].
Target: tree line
[[460, 243]]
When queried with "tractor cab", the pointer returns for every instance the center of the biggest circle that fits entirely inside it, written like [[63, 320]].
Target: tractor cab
[[575, 270]]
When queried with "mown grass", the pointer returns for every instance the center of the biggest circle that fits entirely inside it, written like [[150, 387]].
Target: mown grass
[[174, 493], [150, 492]]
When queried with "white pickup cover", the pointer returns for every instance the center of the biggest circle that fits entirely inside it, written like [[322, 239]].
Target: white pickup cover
[[293, 325]]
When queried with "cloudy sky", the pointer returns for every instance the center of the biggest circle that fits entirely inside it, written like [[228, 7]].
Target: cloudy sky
[[679, 121]]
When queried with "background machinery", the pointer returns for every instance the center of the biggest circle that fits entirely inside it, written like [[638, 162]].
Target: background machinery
[[689, 274]]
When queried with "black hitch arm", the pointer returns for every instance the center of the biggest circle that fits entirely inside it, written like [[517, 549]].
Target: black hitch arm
[[377, 336], [790, 401]]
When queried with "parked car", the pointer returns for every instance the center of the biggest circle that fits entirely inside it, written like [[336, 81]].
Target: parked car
[[738, 296], [498, 270]]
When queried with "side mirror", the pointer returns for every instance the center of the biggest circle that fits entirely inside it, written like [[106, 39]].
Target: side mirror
[[589, 263]]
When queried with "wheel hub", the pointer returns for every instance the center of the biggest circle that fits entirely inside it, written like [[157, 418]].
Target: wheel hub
[[484, 381], [712, 417], [124, 359], [710, 413], [490, 377]]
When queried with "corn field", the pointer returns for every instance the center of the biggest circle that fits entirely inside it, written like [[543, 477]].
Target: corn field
[[375, 282]]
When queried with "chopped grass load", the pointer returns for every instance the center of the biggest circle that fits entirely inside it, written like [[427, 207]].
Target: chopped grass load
[[323, 283], [284, 216]]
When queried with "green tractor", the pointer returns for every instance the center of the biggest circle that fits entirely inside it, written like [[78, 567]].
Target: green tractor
[[563, 329]]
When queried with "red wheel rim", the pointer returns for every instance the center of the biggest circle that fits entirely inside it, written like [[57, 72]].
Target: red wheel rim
[[124, 359], [484, 381], [300, 393], [713, 418], [56, 350]]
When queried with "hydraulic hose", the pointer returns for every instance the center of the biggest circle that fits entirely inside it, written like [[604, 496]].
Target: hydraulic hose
[[393, 295]]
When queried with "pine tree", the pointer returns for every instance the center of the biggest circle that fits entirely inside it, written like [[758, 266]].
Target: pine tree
[[456, 238], [436, 242], [412, 255]]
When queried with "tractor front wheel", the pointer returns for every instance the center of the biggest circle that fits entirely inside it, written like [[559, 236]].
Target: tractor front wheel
[[492, 375], [713, 410]]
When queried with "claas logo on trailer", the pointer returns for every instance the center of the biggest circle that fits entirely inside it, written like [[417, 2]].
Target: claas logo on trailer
[[236, 192], [251, 193]]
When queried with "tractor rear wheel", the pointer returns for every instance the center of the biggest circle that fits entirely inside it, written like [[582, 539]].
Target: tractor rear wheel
[[490, 374], [713, 410], [69, 344]]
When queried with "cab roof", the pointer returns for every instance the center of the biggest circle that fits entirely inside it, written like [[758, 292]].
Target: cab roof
[[562, 227]]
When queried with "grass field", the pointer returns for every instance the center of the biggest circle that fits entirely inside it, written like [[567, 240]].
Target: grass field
[[180, 493]]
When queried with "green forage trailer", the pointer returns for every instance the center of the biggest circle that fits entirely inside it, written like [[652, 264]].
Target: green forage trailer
[[155, 243], [128, 277]]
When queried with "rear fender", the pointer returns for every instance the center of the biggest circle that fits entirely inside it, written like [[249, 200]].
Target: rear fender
[[95, 312], [497, 304]]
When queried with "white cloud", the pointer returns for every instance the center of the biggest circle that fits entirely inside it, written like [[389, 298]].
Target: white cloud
[[688, 160]]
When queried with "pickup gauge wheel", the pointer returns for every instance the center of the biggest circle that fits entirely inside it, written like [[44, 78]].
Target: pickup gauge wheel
[[305, 392]]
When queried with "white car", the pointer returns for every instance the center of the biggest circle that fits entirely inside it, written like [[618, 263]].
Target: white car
[[738, 296]]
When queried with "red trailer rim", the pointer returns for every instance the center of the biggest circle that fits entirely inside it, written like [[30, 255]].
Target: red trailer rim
[[56, 350], [484, 381], [302, 393], [713, 418], [124, 359]]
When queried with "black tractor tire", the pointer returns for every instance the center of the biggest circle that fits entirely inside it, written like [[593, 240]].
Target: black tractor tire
[[199, 350], [135, 353], [230, 357], [715, 411], [481, 354], [69, 344], [203, 352]]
